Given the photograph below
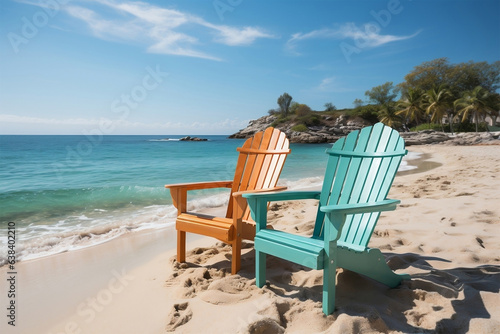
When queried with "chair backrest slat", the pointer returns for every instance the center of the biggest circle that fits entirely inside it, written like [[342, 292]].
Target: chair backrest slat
[[363, 174], [261, 159]]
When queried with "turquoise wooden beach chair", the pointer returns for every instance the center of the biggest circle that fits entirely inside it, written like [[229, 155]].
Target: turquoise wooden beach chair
[[361, 168]]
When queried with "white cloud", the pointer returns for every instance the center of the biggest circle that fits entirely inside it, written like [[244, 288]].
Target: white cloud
[[370, 35], [235, 36], [366, 36], [165, 31], [326, 84]]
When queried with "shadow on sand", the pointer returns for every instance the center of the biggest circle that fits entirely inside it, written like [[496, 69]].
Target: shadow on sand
[[420, 305]]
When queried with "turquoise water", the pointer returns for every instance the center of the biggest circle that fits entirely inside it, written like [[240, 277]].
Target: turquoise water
[[70, 192]]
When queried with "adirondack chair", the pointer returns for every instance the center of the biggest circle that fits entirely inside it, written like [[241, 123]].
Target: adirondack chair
[[261, 159], [361, 168]]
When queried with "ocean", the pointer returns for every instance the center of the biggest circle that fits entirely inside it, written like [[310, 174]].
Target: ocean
[[69, 192]]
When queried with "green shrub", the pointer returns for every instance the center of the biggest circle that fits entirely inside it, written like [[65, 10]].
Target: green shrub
[[300, 128], [310, 120], [368, 112], [468, 127], [280, 120], [303, 110], [430, 126]]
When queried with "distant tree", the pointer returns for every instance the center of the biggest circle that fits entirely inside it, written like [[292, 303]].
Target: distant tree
[[427, 75], [467, 76], [382, 95], [368, 112], [457, 77], [273, 111], [302, 110], [293, 107], [439, 104], [411, 106], [330, 107], [357, 103], [284, 103], [495, 104], [476, 103]]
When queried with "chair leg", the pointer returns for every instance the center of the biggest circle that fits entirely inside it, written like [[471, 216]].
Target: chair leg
[[181, 246], [329, 280], [260, 268], [236, 258]]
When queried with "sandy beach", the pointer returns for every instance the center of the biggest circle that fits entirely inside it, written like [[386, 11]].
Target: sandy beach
[[444, 234]]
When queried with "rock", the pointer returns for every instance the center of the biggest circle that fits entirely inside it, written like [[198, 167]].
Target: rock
[[255, 126], [189, 138], [341, 120], [424, 137], [343, 125], [315, 134], [465, 138], [473, 138], [305, 137]]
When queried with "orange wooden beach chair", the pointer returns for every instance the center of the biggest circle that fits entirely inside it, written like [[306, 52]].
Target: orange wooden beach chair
[[260, 161]]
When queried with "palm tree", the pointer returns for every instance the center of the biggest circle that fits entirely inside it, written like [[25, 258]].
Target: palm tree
[[438, 102], [476, 102], [411, 106], [389, 117], [495, 104]]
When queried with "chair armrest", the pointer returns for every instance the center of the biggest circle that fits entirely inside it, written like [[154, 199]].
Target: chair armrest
[[258, 202], [179, 191], [336, 216], [201, 185], [258, 191], [282, 195], [385, 205]]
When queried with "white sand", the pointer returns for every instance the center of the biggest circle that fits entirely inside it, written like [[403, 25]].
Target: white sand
[[445, 234]]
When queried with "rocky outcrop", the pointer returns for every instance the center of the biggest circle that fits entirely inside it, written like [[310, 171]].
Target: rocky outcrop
[[333, 129], [464, 138], [473, 138], [254, 126], [329, 132], [188, 138], [424, 137]]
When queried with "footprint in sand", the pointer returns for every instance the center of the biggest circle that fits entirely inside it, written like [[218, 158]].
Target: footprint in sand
[[180, 315], [228, 290], [265, 325], [464, 194]]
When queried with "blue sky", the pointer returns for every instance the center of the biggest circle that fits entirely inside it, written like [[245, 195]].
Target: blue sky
[[208, 67]]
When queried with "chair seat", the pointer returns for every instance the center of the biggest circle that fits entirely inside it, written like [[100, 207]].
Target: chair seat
[[289, 246], [296, 248], [218, 227]]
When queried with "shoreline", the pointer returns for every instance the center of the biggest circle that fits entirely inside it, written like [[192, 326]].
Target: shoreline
[[40, 247], [100, 274]]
